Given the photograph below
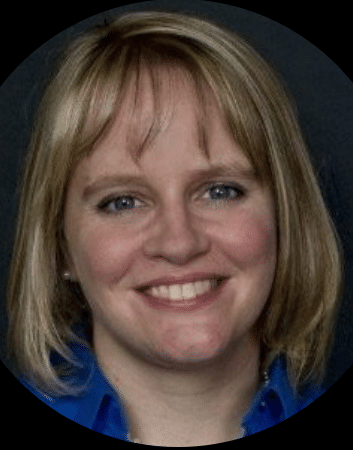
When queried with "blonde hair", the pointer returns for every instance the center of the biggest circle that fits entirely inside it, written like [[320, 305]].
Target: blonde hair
[[78, 107]]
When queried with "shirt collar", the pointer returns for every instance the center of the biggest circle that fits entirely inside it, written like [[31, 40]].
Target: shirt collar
[[274, 401], [98, 387], [278, 383], [98, 392]]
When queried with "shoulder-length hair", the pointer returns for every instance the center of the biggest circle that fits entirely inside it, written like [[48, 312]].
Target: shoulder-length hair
[[77, 108]]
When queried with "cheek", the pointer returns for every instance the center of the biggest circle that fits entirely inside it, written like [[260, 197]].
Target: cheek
[[103, 255], [249, 239]]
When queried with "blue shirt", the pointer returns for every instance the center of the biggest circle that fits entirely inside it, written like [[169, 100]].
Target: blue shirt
[[100, 409]]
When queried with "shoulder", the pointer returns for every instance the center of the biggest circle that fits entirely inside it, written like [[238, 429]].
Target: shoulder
[[67, 405], [88, 389], [309, 394], [97, 406], [292, 401]]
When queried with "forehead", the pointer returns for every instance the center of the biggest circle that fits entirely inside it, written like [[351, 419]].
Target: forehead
[[174, 152], [150, 106], [170, 136]]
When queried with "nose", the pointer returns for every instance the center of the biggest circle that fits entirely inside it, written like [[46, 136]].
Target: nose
[[176, 237]]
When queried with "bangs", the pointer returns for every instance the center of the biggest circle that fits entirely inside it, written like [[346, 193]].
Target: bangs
[[117, 78], [146, 96], [150, 100]]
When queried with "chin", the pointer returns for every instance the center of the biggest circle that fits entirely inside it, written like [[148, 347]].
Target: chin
[[191, 356]]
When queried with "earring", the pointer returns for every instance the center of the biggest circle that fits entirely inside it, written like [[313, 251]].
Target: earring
[[66, 275]]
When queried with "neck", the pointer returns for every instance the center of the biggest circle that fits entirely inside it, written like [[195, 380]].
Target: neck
[[174, 407]]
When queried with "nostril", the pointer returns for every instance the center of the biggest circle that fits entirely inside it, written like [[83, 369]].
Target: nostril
[[177, 244]]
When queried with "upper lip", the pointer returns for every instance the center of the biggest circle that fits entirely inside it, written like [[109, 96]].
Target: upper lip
[[190, 278]]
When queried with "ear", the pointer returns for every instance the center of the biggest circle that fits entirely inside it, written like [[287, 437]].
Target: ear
[[70, 275], [68, 272]]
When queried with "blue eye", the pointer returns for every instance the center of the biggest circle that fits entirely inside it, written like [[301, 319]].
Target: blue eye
[[118, 204], [225, 192]]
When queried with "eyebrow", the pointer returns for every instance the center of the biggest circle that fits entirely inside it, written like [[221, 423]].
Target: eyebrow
[[108, 181]]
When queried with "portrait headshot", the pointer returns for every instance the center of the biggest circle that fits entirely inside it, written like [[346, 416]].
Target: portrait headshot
[[178, 242]]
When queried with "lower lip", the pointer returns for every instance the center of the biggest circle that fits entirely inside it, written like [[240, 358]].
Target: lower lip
[[183, 306]]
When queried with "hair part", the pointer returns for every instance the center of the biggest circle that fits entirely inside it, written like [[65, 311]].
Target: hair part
[[100, 71]]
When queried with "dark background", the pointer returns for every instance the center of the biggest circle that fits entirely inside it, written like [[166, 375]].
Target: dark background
[[310, 49]]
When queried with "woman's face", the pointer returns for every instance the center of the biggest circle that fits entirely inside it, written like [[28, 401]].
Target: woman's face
[[175, 253]]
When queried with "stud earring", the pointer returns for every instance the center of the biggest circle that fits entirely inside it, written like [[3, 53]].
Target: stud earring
[[66, 275]]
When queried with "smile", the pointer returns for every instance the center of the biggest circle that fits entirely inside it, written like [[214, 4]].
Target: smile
[[184, 295], [185, 291]]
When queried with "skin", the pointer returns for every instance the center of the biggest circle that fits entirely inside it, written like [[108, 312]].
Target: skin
[[185, 378]]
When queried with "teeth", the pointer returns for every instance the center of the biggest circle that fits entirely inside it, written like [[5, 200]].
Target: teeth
[[181, 291], [175, 292], [188, 290]]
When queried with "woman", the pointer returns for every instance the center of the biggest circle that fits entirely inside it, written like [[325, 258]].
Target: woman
[[176, 274]]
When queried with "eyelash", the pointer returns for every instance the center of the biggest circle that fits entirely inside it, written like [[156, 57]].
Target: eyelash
[[103, 206]]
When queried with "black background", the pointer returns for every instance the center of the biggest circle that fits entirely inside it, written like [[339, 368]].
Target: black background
[[311, 50]]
